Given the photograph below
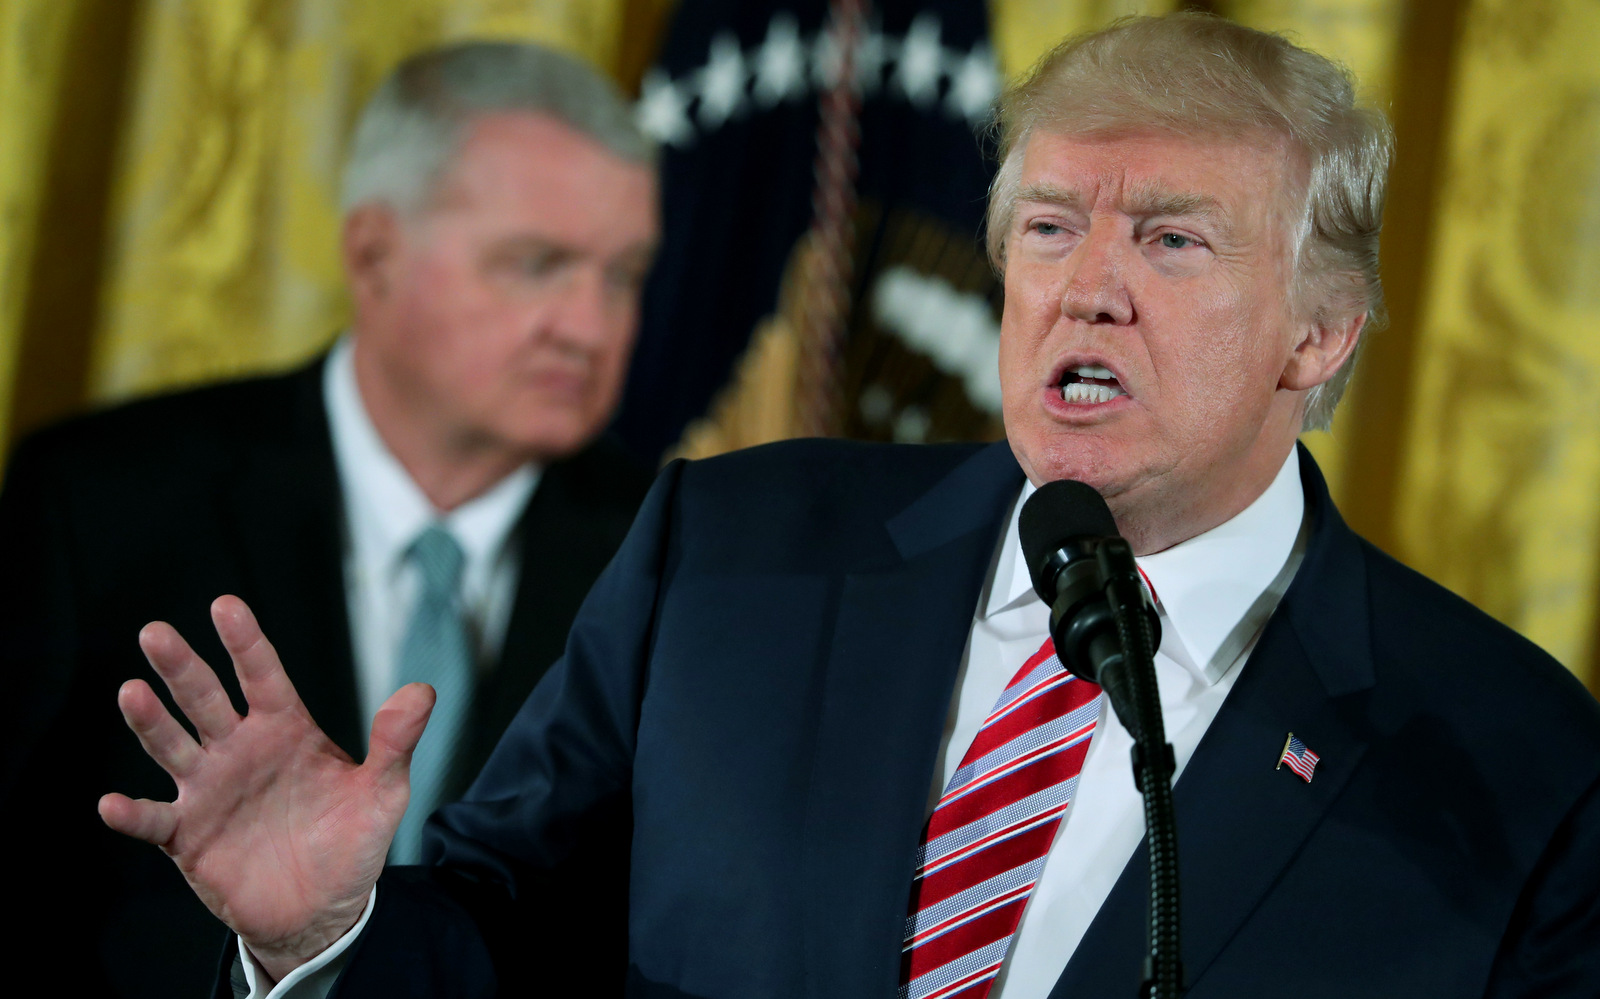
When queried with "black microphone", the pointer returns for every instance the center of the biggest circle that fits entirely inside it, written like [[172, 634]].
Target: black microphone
[[1084, 570], [1106, 631]]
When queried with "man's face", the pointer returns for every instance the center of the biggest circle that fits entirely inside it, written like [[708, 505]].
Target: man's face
[[1149, 347], [500, 318]]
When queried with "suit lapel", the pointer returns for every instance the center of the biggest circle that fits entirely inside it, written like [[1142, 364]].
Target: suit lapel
[[544, 549], [897, 646], [1241, 820], [567, 533], [286, 512]]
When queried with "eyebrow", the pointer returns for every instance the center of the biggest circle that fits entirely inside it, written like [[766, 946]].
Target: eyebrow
[[1140, 203], [524, 242], [1049, 194]]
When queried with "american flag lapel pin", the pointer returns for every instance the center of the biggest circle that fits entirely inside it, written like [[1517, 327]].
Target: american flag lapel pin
[[1300, 759]]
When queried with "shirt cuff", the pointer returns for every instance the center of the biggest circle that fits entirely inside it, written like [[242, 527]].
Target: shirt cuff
[[311, 980]]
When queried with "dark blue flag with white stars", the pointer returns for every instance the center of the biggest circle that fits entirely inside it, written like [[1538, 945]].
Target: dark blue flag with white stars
[[733, 102]]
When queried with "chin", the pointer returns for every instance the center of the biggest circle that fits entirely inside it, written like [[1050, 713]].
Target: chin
[[1054, 456], [554, 437]]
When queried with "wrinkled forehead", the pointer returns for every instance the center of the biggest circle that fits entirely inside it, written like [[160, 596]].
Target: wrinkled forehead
[[1232, 178], [1180, 151]]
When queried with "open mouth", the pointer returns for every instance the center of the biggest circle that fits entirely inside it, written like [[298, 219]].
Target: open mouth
[[1089, 383]]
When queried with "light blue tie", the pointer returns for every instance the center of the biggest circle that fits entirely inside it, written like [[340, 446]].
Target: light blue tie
[[435, 651]]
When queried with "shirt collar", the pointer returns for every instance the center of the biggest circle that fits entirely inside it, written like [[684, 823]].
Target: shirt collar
[[1214, 591], [384, 508]]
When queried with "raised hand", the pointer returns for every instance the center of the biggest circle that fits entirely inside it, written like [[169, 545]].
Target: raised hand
[[277, 830]]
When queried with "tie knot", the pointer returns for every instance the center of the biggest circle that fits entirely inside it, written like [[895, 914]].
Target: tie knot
[[439, 556]]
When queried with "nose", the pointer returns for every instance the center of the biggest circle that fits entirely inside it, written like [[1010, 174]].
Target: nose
[[1095, 290], [582, 315]]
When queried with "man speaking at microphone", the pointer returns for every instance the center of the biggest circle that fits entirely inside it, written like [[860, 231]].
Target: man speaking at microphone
[[816, 684]]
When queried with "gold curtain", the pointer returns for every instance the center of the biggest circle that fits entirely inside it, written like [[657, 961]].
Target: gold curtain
[[61, 70], [168, 172], [34, 42], [1499, 480]]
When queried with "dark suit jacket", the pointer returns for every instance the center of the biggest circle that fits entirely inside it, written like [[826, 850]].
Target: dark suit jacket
[[761, 679], [149, 512]]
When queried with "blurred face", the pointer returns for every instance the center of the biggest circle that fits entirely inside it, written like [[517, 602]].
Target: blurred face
[[500, 318], [1149, 346]]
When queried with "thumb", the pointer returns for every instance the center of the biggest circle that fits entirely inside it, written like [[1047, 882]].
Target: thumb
[[396, 729]]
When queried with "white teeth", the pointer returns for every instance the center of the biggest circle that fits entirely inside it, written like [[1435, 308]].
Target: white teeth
[[1093, 371], [1084, 392]]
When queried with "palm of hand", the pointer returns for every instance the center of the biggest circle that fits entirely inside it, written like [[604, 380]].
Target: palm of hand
[[302, 832], [277, 830]]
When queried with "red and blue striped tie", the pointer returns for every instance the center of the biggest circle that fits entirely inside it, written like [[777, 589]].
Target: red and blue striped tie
[[987, 840]]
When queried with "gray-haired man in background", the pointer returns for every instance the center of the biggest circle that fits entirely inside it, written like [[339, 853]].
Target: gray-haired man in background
[[429, 501]]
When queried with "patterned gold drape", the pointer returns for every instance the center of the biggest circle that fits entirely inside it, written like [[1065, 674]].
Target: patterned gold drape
[[168, 170], [33, 45], [1499, 481]]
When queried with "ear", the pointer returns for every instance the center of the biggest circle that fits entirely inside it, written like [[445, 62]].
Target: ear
[[1325, 346], [369, 242]]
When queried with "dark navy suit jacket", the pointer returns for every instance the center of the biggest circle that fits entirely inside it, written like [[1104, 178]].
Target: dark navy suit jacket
[[736, 752]]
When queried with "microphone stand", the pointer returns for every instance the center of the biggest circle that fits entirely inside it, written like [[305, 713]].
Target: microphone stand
[[1153, 766], [1127, 672]]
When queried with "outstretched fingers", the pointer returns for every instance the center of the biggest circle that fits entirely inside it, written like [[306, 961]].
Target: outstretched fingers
[[152, 821], [396, 730], [266, 686], [195, 688], [159, 733]]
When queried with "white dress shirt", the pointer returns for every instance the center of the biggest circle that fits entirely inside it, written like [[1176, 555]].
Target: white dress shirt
[[1214, 593], [384, 511]]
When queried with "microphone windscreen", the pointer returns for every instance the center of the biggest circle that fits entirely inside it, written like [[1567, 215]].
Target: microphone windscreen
[[1055, 513]]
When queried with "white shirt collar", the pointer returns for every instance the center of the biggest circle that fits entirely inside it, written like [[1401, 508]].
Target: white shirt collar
[[1214, 591], [384, 508]]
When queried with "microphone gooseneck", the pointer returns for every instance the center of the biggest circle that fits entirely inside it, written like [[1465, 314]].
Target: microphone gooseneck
[[1106, 631], [1074, 553]]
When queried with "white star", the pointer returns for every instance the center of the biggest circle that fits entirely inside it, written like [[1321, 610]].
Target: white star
[[722, 82], [873, 50], [780, 62], [921, 60], [912, 425], [973, 86], [871, 53], [662, 111], [824, 60]]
